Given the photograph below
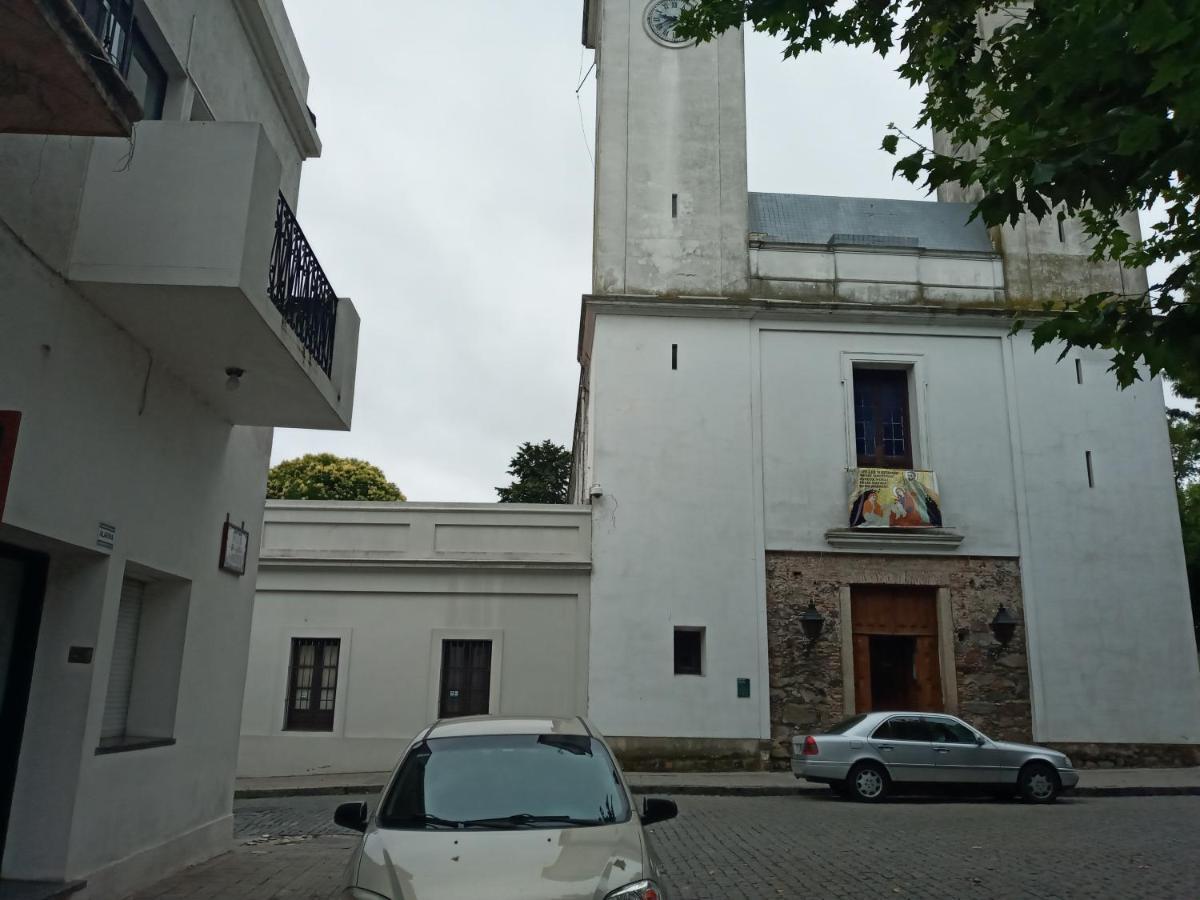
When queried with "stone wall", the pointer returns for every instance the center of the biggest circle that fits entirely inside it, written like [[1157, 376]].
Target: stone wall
[[807, 678]]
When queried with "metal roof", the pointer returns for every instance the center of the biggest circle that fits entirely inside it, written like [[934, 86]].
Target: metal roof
[[867, 221]]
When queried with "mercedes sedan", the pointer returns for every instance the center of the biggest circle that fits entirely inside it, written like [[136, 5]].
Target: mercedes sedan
[[870, 755], [504, 808]]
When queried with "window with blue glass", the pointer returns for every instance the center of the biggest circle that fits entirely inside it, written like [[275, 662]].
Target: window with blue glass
[[882, 430]]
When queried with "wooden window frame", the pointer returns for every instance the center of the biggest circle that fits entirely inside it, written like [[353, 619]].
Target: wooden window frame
[[312, 717], [877, 377], [444, 679]]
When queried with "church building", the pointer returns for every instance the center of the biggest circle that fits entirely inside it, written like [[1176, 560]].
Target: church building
[[824, 476]]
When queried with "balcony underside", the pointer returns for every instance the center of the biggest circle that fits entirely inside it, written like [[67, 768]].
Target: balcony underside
[[55, 77], [197, 332]]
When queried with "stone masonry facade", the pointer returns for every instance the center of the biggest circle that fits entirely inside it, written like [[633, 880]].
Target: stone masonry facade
[[806, 677]]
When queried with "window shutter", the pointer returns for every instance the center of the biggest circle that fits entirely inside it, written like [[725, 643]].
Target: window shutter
[[120, 673]]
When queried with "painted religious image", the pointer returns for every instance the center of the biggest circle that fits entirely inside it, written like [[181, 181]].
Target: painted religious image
[[894, 498]]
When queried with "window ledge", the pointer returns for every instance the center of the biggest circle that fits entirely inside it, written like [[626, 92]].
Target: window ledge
[[130, 743], [895, 540]]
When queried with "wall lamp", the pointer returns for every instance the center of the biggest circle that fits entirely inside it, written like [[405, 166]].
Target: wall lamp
[[812, 621], [1004, 625]]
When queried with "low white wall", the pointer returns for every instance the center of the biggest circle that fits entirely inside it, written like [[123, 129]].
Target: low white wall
[[390, 581]]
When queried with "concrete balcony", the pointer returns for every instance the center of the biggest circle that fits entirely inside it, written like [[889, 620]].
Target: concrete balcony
[[184, 240], [56, 76]]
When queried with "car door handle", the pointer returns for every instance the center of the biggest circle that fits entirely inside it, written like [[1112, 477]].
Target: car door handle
[[941, 749], [886, 747]]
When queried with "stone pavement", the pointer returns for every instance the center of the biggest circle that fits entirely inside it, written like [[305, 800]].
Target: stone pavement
[[811, 845], [1093, 782]]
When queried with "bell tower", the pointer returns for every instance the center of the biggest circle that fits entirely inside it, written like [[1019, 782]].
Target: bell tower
[[671, 196]]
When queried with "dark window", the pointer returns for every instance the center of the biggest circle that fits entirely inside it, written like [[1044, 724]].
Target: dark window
[[882, 433], [466, 678], [845, 725], [114, 24], [689, 651], [147, 78], [565, 779], [947, 731], [902, 728], [312, 684]]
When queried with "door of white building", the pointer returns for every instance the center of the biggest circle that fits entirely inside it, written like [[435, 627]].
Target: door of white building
[[22, 586]]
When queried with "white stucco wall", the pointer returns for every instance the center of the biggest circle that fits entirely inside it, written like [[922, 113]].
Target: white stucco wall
[[109, 434], [747, 444], [391, 581], [668, 121]]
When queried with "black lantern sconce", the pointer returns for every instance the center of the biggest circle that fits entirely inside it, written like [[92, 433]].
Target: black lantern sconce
[[1004, 625], [812, 622]]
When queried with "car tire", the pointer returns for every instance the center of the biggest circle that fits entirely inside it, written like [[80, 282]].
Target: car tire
[[1038, 783], [868, 782]]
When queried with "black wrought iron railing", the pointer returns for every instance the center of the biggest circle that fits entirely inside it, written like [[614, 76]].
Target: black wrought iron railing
[[299, 289], [111, 21]]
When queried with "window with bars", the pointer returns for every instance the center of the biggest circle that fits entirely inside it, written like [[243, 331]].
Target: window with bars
[[882, 427], [312, 684], [466, 684]]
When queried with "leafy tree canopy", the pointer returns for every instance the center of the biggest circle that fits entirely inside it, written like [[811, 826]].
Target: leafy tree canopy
[[1089, 108], [541, 473], [323, 476]]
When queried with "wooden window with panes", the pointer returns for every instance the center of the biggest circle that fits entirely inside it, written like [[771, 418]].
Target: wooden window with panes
[[882, 424], [312, 684]]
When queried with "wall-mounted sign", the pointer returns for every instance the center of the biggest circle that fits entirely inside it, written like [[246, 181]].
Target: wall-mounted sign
[[106, 535], [10, 422], [235, 542], [895, 498]]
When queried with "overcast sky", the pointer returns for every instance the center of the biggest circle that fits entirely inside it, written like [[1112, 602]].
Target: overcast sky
[[453, 204]]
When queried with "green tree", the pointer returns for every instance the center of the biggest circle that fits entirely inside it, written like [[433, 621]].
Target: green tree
[[1088, 108], [323, 476], [541, 472]]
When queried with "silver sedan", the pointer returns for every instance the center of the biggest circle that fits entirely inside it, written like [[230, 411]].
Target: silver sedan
[[869, 755]]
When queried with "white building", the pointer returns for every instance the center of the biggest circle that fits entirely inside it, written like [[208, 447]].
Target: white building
[[160, 312], [374, 619], [743, 355]]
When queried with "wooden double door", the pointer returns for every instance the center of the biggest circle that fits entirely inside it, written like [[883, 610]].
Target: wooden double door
[[896, 664]]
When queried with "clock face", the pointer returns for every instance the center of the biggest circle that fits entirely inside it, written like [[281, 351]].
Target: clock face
[[661, 17]]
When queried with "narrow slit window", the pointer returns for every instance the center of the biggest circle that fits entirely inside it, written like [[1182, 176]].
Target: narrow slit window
[[1079, 371], [1062, 234], [674, 206], [674, 356], [1091, 475]]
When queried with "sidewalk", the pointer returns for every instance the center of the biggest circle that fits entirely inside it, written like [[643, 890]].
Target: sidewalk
[[1092, 783]]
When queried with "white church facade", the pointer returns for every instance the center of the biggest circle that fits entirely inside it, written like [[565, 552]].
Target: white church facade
[[758, 372]]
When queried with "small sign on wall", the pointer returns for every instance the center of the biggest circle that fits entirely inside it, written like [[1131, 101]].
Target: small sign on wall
[[10, 422], [106, 535], [235, 543]]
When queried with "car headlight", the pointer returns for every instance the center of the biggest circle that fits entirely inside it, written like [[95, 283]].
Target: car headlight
[[639, 890], [357, 893], [1067, 763]]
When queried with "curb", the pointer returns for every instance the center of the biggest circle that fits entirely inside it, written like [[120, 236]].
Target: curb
[[699, 790]]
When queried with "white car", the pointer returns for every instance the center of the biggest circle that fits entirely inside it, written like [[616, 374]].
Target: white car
[[502, 808]]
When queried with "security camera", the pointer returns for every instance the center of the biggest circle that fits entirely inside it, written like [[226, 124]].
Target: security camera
[[595, 491]]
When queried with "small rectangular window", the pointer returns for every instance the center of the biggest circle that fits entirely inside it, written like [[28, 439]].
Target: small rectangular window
[[882, 428], [312, 684], [466, 685], [689, 651]]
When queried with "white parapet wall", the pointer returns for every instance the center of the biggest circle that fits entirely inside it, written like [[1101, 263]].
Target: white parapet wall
[[393, 584]]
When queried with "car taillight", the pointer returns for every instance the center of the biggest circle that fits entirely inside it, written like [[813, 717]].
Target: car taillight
[[810, 746]]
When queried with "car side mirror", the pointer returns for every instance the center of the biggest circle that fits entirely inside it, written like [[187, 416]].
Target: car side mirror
[[352, 816], [656, 810], [980, 740]]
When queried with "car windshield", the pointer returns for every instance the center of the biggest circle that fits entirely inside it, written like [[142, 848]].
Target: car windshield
[[845, 725], [506, 781]]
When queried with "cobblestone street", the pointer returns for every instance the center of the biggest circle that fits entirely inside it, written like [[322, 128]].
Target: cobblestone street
[[815, 846]]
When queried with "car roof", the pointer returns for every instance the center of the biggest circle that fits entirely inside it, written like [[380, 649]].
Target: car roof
[[874, 718], [470, 726]]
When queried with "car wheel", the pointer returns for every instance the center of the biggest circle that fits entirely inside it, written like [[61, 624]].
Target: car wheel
[[1038, 783], [868, 782]]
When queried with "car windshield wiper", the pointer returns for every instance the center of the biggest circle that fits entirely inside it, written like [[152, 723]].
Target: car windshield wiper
[[527, 820], [426, 819]]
